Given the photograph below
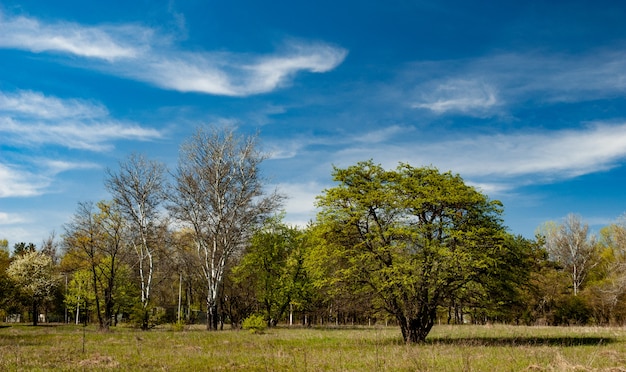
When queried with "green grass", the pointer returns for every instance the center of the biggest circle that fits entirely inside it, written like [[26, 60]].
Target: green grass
[[449, 348]]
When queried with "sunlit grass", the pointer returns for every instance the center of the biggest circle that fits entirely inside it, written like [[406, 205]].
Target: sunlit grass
[[448, 348]]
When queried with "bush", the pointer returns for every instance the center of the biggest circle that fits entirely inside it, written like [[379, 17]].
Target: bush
[[255, 323], [178, 326], [572, 310], [147, 318]]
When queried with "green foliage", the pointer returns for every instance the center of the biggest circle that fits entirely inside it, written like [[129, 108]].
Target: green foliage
[[80, 296], [572, 310], [255, 323], [22, 248], [178, 326], [274, 266], [144, 318], [412, 237]]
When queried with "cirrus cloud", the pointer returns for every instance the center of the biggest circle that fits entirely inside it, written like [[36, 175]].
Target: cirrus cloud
[[143, 54]]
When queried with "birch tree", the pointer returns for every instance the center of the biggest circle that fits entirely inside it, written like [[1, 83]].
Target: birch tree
[[138, 191], [218, 193], [571, 245]]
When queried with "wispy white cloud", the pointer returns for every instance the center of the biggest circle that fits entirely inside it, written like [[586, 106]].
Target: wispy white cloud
[[495, 164], [381, 135], [34, 175], [537, 156], [20, 183], [481, 86], [109, 43], [35, 105], [463, 96], [74, 135], [35, 119], [289, 148], [300, 205], [133, 51], [230, 74], [9, 219], [54, 167]]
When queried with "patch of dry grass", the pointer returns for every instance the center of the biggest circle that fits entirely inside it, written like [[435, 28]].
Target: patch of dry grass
[[449, 348]]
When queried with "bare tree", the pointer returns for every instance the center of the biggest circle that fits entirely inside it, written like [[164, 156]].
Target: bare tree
[[571, 245], [50, 246], [218, 193], [138, 191]]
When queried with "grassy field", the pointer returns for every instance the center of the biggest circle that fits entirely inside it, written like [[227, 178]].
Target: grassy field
[[449, 348]]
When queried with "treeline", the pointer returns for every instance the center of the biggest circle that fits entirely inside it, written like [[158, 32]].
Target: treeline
[[206, 242]]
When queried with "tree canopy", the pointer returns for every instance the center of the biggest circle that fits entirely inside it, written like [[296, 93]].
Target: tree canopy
[[414, 237]]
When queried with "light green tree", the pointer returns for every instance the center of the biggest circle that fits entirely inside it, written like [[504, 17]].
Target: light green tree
[[411, 237]]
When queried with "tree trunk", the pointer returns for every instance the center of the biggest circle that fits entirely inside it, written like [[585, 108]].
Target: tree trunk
[[35, 313], [415, 329], [211, 317]]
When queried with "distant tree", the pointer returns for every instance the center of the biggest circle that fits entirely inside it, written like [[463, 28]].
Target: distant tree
[[186, 271], [570, 244], [34, 274], [22, 248], [412, 237], [274, 265], [138, 190], [98, 239], [605, 288], [50, 246], [218, 193], [7, 294]]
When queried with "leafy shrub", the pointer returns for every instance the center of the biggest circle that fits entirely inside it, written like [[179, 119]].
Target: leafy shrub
[[147, 318], [572, 310], [178, 326], [255, 323]]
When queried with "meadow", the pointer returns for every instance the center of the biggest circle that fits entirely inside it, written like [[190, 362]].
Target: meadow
[[448, 348]]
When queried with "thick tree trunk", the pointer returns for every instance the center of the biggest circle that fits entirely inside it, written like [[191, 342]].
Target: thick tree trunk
[[211, 317], [415, 329]]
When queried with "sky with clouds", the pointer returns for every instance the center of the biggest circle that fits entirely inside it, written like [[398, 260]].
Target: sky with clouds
[[525, 100]]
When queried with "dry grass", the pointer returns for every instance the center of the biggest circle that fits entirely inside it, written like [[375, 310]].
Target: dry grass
[[458, 348]]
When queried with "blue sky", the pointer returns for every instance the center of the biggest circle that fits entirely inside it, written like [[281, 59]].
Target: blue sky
[[525, 100]]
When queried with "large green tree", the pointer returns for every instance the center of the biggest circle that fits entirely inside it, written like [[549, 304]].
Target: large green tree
[[412, 237]]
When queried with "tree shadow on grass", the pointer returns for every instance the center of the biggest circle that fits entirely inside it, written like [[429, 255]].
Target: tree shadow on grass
[[521, 341]]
